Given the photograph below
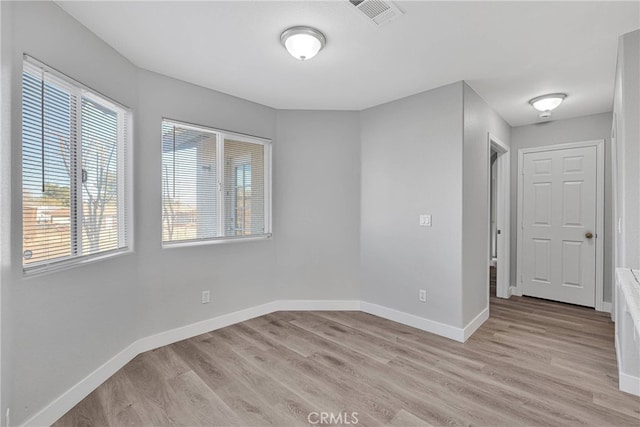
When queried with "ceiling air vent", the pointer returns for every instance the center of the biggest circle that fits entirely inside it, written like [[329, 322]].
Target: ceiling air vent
[[377, 12]]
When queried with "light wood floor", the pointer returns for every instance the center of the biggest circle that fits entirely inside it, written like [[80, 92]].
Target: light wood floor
[[533, 362]]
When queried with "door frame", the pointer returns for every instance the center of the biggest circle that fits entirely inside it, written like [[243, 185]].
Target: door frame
[[503, 213], [616, 227], [599, 144]]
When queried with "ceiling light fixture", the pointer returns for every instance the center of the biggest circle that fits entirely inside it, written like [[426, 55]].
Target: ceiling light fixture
[[303, 43], [546, 103]]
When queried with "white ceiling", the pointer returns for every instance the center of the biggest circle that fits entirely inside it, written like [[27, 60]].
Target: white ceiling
[[508, 52]]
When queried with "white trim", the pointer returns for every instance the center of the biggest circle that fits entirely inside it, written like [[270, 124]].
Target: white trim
[[52, 412], [216, 131], [616, 345], [67, 400], [221, 207], [202, 327], [629, 384], [224, 320], [599, 144], [77, 93], [475, 323], [268, 187], [129, 191], [600, 232], [46, 268], [214, 241], [627, 330], [221, 184], [69, 82], [503, 214], [421, 323], [606, 307], [517, 289], [318, 305], [3, 116]]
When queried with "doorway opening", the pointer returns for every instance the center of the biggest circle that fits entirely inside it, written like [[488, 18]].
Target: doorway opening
[[499, 218], [493, 225]]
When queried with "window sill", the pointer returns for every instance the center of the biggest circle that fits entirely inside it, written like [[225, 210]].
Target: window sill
[[44, 269], [216, 241]]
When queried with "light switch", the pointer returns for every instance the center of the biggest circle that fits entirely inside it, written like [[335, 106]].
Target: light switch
[[425, 220]]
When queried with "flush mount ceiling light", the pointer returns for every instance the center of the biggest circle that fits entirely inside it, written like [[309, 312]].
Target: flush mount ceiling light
[[303, 42], [546, 103]]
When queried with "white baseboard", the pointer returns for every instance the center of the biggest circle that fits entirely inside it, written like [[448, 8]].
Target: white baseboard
[[606, 307], [505, 296], [70, 398], [475, 323], [198, 328], [53, 411], [318, 305], [427, 325], [629, 384], [513, 290]]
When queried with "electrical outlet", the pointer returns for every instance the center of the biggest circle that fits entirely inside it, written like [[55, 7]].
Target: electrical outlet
[[422, 295], [425, 220], [206, 297]]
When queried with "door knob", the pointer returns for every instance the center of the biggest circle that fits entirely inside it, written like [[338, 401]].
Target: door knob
[[588, 235]]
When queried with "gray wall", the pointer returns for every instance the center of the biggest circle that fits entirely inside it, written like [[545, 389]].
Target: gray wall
[[238, 274], [412, 164], [317, 204], [64, 324], [597, 126], [478, 120], [626, 107], [6, 25]]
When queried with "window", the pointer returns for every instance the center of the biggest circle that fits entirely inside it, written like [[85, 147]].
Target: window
[[215, 185], [74, 178]]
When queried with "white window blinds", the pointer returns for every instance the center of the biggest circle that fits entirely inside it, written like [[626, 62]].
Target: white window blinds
[[243, 188], [215, 185], [74, 149]]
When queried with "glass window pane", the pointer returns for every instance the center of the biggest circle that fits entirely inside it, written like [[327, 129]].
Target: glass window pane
[[73, 169], [99, 178], [47, 162], [244, 188], [189, 184]]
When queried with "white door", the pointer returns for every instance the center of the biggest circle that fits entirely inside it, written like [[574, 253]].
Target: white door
[[559, 225]]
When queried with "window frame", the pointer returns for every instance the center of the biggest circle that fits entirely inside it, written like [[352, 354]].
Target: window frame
[[221, 136], [124, 171]]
